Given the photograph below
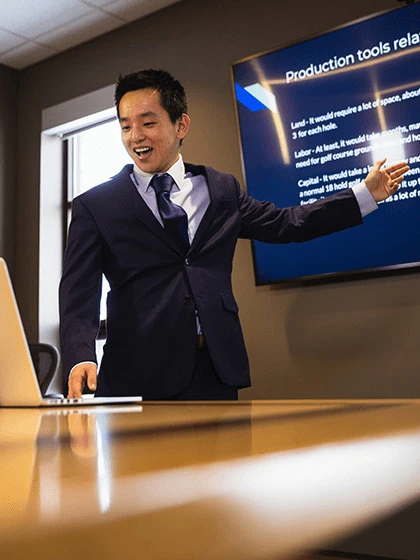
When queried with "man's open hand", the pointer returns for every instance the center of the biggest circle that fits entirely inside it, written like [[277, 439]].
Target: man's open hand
[[382, 183]]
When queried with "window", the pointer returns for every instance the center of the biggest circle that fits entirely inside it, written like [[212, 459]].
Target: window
[[98, 154], [59, 123], [93, 156]]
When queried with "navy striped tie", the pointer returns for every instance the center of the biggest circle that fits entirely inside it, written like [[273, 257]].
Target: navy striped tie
[[174, 217]]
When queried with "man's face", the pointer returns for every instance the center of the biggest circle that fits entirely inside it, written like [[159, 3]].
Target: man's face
[[151, 139]]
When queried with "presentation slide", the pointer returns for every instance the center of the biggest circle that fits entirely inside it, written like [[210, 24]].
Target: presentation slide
[[313, 118]]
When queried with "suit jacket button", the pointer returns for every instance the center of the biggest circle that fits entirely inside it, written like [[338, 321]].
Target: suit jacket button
[[187, 262], [187, 300]]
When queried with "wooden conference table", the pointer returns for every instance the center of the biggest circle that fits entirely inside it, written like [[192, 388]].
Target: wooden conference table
[[252, 479]]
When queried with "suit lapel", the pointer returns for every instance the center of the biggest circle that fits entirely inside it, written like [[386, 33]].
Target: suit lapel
[[129, 196], [215, 193]]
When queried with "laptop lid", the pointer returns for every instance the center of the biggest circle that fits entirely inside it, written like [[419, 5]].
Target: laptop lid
[[18, 380]]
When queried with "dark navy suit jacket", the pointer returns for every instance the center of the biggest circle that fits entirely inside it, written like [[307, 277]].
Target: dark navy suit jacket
[[155, 289]]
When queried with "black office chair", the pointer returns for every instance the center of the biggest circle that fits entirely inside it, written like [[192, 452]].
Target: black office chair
[[45, 358]]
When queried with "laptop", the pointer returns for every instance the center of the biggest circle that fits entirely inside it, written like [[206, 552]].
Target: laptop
[[19, 385]]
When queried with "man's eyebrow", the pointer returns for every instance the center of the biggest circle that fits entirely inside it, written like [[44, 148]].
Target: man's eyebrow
[[147, 114]]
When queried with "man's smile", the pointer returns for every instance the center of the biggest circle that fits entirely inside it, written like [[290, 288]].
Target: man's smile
[[142, 153]]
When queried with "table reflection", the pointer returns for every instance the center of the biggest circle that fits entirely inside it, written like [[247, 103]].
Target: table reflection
[[287, 477]]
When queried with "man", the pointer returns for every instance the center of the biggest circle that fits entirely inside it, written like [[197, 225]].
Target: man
[[173, 330]]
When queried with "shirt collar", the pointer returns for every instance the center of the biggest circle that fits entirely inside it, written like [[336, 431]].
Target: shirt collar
[[177, 172]]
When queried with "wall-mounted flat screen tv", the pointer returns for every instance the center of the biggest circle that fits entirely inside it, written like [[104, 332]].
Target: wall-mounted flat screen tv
[[313, 118]]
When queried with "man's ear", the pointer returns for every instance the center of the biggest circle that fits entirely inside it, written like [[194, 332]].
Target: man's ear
[[183, 125]]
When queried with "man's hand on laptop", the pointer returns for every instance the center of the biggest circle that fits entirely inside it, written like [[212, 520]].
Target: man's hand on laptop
[[82, 375]]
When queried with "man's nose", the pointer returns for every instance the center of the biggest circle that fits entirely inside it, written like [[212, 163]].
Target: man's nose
[[137, 133]]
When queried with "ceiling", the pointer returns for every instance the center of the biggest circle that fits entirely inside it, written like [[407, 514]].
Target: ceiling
[[31, 31]]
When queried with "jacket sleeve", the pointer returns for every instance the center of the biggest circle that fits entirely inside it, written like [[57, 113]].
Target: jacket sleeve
[[265, 222], [80, 289]]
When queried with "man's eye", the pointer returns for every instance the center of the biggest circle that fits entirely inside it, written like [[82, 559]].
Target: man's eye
[[149, 123], [125, 128]]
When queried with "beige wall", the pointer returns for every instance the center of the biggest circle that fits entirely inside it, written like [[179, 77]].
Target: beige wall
[[349, 339]]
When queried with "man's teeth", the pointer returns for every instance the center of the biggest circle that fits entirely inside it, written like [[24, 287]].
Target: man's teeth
[[141, 151]]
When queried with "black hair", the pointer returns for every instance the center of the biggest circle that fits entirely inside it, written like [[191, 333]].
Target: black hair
[[172, 93]]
